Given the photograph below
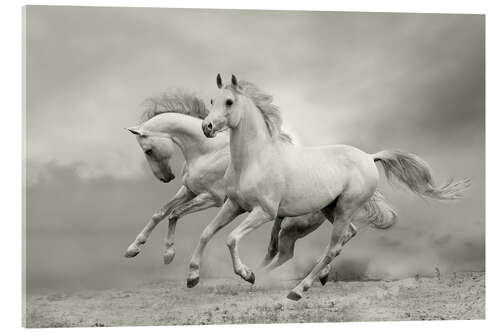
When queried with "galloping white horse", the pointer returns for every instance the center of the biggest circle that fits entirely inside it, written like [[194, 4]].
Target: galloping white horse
[[270, 178], [174, 120]]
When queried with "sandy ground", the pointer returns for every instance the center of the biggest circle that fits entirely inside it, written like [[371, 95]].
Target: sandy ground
[[454, 296]]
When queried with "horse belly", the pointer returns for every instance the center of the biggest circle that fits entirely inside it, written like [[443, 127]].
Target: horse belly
[[309, 193]]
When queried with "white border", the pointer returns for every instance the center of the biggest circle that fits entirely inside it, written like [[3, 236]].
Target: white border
[[11, 167]]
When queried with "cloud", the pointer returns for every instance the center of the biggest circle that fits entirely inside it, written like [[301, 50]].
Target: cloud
[[392, 77]]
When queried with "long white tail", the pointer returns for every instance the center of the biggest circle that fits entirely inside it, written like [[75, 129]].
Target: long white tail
[[415, 173]]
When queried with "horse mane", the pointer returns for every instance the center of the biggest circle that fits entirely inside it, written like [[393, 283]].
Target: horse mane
[[175, 101], [270, 112]]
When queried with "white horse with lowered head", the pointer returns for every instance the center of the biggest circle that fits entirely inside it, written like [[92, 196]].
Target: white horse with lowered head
[[173, 119], [271, 178]]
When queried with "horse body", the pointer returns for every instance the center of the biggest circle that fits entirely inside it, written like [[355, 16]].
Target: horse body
[[202, 172]]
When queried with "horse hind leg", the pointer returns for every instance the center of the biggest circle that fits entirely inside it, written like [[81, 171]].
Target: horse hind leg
[[286, 246], [183, 195], [294, 228], [340, 214], [200, 202], [272, 248], [324, 274]]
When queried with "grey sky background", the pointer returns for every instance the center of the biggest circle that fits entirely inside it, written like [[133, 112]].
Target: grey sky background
[[376, 81]]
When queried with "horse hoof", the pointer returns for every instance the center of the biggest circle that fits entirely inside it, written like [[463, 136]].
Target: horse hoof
[[251, 278], [293, 296], [168, 257], [132, 251], [323, 280], [191, 282]]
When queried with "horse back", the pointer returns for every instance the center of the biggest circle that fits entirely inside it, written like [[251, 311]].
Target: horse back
[[316, 176]]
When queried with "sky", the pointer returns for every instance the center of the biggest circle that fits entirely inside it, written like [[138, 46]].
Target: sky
[[372, 80]]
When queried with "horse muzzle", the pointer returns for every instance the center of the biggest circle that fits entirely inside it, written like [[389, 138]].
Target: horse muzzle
[[167, 179], [208, 129]]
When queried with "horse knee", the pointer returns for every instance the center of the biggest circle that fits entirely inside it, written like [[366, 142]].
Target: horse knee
[[157, 217]]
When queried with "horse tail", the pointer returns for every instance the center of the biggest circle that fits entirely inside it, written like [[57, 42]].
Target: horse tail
[[379, 214], [416, 174]]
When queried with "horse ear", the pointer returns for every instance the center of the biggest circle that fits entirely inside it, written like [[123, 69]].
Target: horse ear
[[234, 81], [135, 130], [219, 81]]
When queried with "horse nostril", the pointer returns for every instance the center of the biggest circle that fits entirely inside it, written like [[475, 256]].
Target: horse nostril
[[209, 126]]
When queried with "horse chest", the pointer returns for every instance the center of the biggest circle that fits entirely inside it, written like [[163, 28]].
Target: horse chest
[[238, 193], [245, 193], [199, 182]]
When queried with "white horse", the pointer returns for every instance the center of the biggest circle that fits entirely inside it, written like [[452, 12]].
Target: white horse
[[174, 120], [271, 178]]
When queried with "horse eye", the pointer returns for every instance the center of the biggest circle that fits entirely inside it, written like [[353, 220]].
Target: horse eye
[[229, 102], [212, 101], [149, 152]]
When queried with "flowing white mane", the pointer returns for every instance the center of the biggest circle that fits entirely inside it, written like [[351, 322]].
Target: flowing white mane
[[270, 112], [177, 101]]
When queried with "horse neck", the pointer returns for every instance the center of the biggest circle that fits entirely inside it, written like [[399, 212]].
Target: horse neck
[[248, 138], [186, 133]]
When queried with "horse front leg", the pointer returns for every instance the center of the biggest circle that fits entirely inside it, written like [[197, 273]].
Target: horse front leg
[[200, 202], [183, 195], [254, 220], [229, 211]]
